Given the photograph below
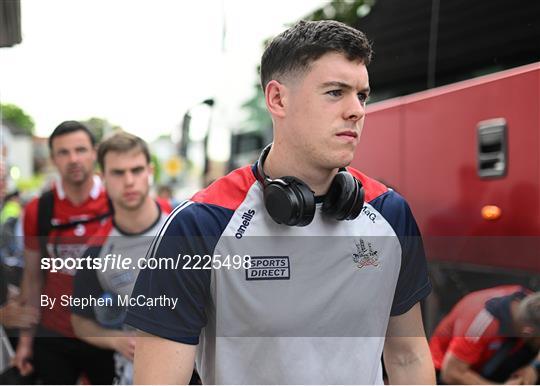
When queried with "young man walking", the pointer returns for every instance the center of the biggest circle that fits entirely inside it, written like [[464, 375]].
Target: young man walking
[[312, 263], [57, 226], [127, 173]]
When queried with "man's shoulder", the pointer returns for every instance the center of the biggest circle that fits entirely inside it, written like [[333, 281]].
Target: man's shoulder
[[96, 202], [372, 188], [228, 191], [390, 204], [380, 196], [208, 212], [192, 218], [475, 319], [481, 326], [49, 194], [479, 298], [31, 210]]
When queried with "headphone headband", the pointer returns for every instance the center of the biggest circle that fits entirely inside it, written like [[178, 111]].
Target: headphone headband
[[261, 176]]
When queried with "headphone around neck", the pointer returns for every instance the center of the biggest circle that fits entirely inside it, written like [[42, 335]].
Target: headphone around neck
[[290, 201]]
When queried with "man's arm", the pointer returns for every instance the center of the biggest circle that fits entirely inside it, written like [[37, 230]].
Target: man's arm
[[91, 332], [456, 371], [158, 360], [529, 374], [31, 287], [15, 315], [406, 352], [83, 319], [33, 278], [162, 361]]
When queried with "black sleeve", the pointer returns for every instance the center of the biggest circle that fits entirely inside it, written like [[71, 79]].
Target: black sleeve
[[413, 282]]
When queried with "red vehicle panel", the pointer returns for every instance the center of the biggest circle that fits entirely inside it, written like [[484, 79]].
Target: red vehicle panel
[[425, 145]]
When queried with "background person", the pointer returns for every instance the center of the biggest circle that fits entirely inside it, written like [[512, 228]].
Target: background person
[[125, 162], [489, 336], [11, 243], [166, 198], [57, 225]]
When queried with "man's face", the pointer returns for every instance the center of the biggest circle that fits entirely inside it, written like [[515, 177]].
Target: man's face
[[126, 178], [74, 157], [325, 109]]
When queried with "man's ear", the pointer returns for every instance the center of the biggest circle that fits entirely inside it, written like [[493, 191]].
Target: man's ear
[[276, 96]]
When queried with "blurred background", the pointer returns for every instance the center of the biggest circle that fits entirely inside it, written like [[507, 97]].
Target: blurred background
[[453, 120]]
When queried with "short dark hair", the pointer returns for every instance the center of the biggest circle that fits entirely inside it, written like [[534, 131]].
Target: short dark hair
[[296, 48], [121, 142], [68, 127]]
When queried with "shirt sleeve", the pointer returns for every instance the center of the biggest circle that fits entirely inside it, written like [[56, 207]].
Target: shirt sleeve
[[468, 349], [413, 283], [192, 229]]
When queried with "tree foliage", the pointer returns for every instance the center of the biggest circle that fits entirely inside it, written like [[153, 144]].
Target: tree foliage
[[258, 117], [157, 168], [100, 127], [345, 11], [17, 119]]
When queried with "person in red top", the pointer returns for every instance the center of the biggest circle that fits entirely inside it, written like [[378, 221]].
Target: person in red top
[[68, 215], [489, 336], [165, 198]]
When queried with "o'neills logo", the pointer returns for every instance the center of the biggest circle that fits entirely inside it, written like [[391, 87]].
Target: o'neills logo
[[247, 217]]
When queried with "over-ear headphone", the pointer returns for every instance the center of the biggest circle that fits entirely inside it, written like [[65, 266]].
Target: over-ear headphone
[[290, 201]]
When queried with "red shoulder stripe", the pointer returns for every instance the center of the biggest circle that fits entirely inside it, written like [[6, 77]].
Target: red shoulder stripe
[[372, 187], [229, 191]]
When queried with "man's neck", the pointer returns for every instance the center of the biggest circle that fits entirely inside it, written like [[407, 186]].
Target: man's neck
[[77, 194], [137, 221], [283, 162]]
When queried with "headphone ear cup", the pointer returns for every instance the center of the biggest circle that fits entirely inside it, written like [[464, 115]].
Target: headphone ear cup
[[358, 203], [307, 198], [345, 197], [289, 201]]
